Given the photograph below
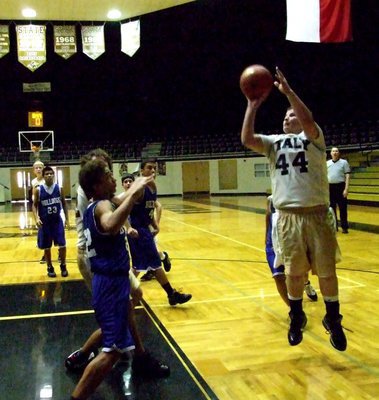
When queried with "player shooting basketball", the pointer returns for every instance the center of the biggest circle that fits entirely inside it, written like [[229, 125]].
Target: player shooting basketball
[[305, 224]]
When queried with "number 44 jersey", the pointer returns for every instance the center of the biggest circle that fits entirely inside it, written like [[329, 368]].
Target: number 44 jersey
[[298, 170]]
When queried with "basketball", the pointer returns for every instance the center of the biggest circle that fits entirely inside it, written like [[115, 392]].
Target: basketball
[[256, 81]]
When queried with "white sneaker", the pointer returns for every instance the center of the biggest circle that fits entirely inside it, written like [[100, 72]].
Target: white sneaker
[[310, 291]]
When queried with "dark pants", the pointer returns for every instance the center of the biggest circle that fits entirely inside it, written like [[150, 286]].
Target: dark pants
[[337, 198]]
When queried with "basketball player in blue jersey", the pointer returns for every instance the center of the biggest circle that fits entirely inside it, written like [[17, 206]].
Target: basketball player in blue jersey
[[105, 241], [126, 181], [144, 363], [143, 228], [305, 225], [48, 201], [274, 259]]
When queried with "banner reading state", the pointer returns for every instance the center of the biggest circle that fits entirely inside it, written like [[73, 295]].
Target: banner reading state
[[31, 45], [65, 40], [4, 40], [93, 41]]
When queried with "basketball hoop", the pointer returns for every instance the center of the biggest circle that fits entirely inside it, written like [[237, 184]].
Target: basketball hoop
[[35, 147]]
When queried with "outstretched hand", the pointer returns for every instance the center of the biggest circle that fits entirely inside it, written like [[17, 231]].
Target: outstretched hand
[[142, 181], [281, 82]]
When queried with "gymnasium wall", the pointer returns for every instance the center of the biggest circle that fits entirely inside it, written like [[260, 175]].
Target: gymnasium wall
[[242, 179]]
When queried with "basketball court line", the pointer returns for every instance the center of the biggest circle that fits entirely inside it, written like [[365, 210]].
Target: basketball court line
[[153, 338], [216, 234], [188, 366]]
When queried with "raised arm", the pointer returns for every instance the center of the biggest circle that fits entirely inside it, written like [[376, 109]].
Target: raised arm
[[303, 114], [112, 221], [248, 136]]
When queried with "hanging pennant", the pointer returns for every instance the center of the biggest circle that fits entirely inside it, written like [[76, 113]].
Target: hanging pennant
[[65, 40], [31, 45], [130, 37], [4, 40], [93, 41]]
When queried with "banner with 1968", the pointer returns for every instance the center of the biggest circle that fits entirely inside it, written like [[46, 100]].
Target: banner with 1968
[[65, 40]]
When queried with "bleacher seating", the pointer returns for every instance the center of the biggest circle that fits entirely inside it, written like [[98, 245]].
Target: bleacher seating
[[364, 185], [364, 181], [348, 137]]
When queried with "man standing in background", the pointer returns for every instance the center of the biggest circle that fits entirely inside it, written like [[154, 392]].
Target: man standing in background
[[339, 179]]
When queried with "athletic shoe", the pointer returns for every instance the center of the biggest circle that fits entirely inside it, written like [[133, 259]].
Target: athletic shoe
[[42, 260], [337, 335], [345, 231], [77, 361], [64, 271], [297, 324], [310, 291], [148, 276], [166, 262], [178, 298], [146, 365], [50, 271]]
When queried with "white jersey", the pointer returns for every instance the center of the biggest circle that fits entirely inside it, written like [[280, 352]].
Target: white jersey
[[81, 206], [36, 182], [298, 170]]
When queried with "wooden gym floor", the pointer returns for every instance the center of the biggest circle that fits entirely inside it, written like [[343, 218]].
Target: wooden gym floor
[[229, 342]]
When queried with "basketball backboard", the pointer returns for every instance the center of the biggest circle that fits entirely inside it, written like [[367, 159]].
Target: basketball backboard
[[35, 141]]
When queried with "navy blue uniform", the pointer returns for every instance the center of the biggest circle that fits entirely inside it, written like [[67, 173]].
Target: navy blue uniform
[[49, 211], [143, 249], [110, 284]]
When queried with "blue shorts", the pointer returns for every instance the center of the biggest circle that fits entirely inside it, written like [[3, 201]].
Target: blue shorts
[[271, 260], [144, 251], [110, 300], [51, 231]]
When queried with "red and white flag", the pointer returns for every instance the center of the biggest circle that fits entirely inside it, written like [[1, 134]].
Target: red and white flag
[[326, 21]]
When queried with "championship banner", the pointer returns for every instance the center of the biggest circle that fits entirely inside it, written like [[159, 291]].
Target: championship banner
[[319, 21], [4, 40], [93, 41], [31, 45], [130, 37], [65, 40]]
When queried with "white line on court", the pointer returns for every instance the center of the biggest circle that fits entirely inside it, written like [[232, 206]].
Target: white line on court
[[216, 234]]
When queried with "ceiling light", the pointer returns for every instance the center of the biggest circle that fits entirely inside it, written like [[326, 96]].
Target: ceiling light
[[114, 14], [29, 13]]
